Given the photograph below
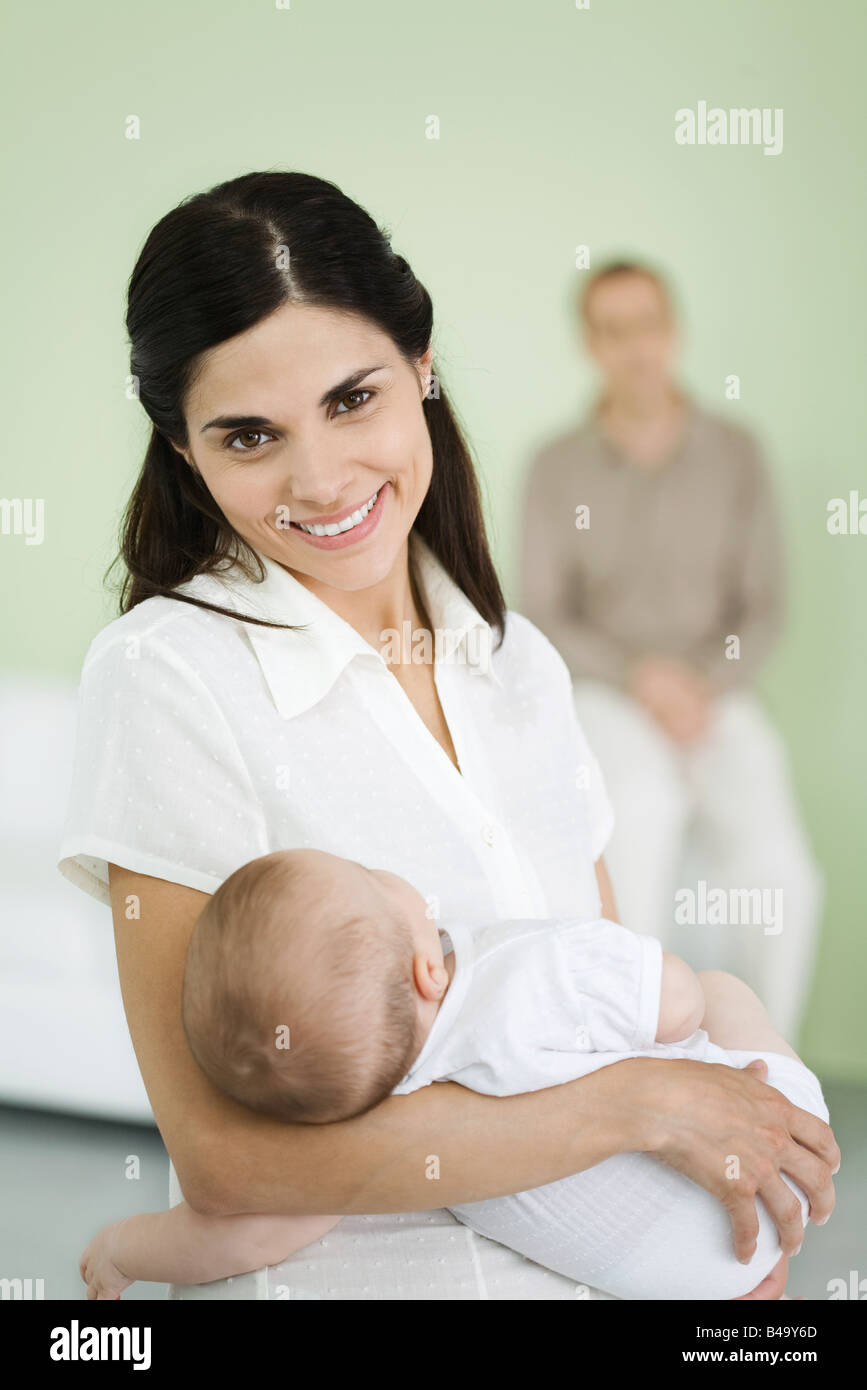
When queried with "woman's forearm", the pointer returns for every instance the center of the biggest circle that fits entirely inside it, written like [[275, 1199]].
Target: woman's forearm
[[438, 1146], [443, 1145]]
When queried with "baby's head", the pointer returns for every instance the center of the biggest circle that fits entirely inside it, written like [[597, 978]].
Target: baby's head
[[310, 985]]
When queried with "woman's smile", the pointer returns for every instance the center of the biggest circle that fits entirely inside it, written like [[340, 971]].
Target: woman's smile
[[348, 527]]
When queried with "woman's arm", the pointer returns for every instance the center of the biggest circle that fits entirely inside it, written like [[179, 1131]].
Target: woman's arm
[[606, 892], [230, 1159]]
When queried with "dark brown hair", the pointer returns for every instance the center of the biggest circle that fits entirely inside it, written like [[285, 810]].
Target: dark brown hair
[[211, 269]]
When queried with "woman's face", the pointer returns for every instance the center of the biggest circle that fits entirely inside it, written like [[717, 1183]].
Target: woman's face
[[304, 419]]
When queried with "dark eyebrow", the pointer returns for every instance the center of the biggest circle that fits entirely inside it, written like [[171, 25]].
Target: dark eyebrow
[[247, 422]]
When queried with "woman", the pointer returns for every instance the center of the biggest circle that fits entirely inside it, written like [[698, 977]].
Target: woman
[[242, 703]]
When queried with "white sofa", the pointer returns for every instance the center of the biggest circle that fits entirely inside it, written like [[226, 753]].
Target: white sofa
[[64, 1042]]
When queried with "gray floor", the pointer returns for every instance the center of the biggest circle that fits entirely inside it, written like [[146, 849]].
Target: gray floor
[[62, 1177]]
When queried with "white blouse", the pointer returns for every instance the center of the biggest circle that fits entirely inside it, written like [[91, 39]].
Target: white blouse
[[203, 742]]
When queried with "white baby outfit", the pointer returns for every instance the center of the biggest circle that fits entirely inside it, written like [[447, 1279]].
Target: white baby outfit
[[532, 1004], [535, 1003]]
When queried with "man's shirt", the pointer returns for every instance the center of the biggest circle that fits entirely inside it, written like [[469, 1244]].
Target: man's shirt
[[677, 557]]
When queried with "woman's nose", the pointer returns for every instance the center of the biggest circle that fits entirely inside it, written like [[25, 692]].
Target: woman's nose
[[318, 498], [316, 483]]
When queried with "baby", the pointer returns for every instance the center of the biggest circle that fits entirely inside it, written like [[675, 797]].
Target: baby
[[315, 988]]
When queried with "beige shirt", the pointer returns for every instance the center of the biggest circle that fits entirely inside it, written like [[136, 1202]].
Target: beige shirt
[[674, 558]]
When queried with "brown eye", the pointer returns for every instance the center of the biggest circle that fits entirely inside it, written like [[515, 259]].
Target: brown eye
[[244, 435], [359, 391]]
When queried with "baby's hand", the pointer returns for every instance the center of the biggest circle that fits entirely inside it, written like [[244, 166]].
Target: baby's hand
[[97, 1265]]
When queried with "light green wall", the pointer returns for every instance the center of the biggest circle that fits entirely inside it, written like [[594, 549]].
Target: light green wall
[[557, 128]]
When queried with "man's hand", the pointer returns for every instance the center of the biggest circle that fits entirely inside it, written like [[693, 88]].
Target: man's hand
[[675, 695]]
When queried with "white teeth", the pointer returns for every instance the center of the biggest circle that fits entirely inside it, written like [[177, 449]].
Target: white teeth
[[337, 527]]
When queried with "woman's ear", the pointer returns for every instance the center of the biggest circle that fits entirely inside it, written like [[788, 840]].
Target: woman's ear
[[425, 369], [187, 457]]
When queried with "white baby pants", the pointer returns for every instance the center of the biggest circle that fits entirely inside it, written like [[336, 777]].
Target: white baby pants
[[637, 1229]]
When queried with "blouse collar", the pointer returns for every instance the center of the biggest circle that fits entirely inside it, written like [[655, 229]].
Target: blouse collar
[[301, 667]]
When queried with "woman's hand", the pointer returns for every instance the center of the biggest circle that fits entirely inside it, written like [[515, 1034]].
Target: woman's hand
[[728, 1131]]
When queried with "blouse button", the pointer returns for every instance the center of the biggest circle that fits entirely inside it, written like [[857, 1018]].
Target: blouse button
[[489, 834]]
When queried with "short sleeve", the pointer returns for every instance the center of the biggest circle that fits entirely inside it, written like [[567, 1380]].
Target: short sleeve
[[158, 784]]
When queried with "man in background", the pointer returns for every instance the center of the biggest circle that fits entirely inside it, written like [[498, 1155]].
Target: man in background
[[652, 559]]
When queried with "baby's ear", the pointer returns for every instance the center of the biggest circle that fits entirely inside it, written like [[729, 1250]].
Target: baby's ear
[[427, 980]]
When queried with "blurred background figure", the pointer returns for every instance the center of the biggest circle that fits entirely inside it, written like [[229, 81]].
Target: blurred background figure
[[653, 561]]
